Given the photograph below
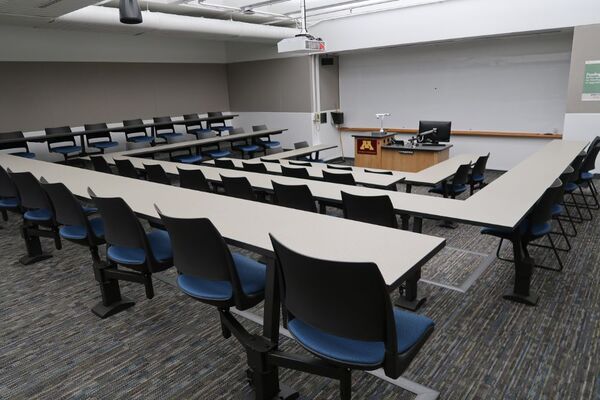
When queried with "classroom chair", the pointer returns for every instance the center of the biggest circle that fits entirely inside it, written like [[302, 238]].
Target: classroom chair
[[311, 157], [379, 172], [22, 146], [218, 125], [339, 167], [295, 172], [227, 164], [298, 197], [300, 163], [457, 185], [9, 197], [367, 332], [101, 140], [376, 210], [255, 167], [267, 143], [477, 174], [65, 146], [246, 148], [238, 187], [100, 165], [194, 127], [193, 179], [341, 178], [165, 129], [155, 173], [136, 133], [586, 177], [125, 168]]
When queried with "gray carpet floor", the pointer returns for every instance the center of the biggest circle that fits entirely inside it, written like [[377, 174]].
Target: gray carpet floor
[[170, 347]]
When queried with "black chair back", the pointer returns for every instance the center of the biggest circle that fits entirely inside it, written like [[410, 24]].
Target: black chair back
[[294, 196], [300, 145], [257, 128], [126, 169], [228, 164], [50, 132], [31, 195], [340, 167], [295, 172], [7, 186], [270, 161], [379, 172], [238, 187], [191, 117], [589, 163], [193, 179], [255, 167], [355, 293], [461, 177], [199, 250], [376, 210], [480, 164], [155, 173], [98, 135], [212, 114], [67, 210], [344, 179], [576, 166], [542, 212], [163, 123], [132, 126], [13, 135], [100, 165], [300, 163]]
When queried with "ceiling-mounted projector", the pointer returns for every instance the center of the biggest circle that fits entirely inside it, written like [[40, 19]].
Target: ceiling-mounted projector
[[302, 43]]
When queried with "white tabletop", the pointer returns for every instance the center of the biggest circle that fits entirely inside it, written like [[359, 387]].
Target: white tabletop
[[298, 152], [364, 178], [251, 222]]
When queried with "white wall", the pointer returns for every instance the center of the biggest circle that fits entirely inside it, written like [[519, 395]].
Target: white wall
[[299, 125], [454, 19], [19, 43], [509, 84]]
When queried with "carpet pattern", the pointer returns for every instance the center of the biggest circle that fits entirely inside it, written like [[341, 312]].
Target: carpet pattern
[[170, 347]]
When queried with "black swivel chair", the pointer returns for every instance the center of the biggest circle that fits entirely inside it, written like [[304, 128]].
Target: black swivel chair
[[38, 216], [295, 172], [136, 133], [376, 210], [457, 185], [238, 187], [341, 312], [477, 174], [23, 147], [193, 179], [341, 178], [294, 196], [130, 246], [165, 129], [100, 140], [9, 197], [227, 164], [100, 165], [66, 146], [194, 127], [255, 167], [126, 169], [155, 173]]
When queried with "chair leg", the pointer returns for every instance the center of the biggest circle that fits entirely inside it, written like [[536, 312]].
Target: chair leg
[[148, 286], [587, 206], [571, 221], [564, 234], [4, 215], [346, 385]]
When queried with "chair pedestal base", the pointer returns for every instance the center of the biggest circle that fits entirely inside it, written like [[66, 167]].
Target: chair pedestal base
[[530, 300], [103, 311], [409, 298], [411, 305], [32, 259]]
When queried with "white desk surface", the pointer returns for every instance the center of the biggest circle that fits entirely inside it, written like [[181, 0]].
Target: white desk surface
[[361, 177], [430, 176], [396, 252], [199, 142], [298, 152], [503, 203]]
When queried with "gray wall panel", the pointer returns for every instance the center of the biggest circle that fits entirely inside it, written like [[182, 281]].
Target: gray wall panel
[[278, 85], [329, 81], [35, 95]]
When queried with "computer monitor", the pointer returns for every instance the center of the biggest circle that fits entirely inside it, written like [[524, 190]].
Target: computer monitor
[[443, 130]]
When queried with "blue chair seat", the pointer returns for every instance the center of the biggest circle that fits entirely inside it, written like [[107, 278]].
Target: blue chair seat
[[248, 148], [104, 145], [140, 139], [452, 189], [66, 149], [25, 154], [218, 153], [221, 128], [77, 232], [41, 214], [9, 202], [252, 276], [160, 245], [557, 209], [539, 230], [586, 176], [410, 327], [270, 144], [188, 159], [199, 131], [570, 187], [477, 178]]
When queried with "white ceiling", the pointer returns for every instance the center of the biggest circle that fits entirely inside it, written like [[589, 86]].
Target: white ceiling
[[41, 8]]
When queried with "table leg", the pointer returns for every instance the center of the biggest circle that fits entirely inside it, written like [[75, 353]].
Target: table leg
[[524, 265], [408, 188], [409, 292], [33, 246]]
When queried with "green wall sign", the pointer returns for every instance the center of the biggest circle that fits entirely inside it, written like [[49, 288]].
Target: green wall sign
[[591, 81]]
